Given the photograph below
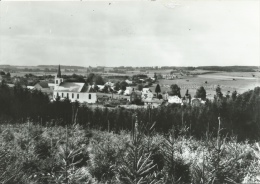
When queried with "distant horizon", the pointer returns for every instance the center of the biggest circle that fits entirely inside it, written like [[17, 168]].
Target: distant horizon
[[130, 66]]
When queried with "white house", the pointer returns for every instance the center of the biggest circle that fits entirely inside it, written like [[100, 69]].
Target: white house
[[152, 102], [109, 84], [147, 94], [174, 99], [30, 87], [197, 101], [128, 81], [128, 91], [74, 91]]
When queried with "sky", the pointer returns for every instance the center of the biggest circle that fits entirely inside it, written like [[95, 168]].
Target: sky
[[130, 33]]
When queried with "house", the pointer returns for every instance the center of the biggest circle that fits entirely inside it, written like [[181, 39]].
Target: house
[[174, 99], [128, 91], [136, 96], [197, 101], [51, 86], [152, 102], [100, 87], [165, 96], [74, 91], [30, 87], [109, 84], [41, 86], [108, 69], [10, 85], [147, 93], [169, 76], [146, 90], [128, 81]]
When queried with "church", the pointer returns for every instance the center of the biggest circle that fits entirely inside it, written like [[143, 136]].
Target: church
[[74, 91]]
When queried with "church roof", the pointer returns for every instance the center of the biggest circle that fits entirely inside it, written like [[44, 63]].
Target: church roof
[[73, 87], [43, 84]]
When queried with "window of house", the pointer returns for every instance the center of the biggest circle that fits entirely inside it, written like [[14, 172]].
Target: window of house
[[61, 94], [67, 95], [57, 94], [89, 96], [56, 81], [72, 95], [77, 96]]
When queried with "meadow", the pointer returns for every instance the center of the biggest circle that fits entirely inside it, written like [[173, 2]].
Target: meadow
[[243, 82], [34, 153]]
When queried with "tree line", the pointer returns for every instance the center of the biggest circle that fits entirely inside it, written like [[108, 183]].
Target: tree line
[[239, 114]]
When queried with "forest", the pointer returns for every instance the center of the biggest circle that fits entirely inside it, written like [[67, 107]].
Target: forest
[[230, 68], [64, 142], [239, 114]]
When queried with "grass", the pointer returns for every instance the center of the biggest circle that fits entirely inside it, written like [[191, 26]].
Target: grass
[[30, 153], [192, 83]]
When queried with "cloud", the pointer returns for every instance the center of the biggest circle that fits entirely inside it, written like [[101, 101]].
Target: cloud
[[130, 33]]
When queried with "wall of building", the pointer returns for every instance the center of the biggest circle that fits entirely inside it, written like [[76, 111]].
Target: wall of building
[[80, 97]]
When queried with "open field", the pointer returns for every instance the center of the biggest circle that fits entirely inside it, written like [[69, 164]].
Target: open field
[[243, 82], [228, 81], [21, 74]]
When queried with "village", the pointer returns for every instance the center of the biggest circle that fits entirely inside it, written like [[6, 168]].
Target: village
[[138, 91]]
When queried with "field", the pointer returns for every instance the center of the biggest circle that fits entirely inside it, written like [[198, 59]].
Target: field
[[241, 83], [228, 81], [21, 74]]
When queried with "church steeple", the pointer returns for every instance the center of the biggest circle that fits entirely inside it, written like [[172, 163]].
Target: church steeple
[[58, 78], [59, 72]]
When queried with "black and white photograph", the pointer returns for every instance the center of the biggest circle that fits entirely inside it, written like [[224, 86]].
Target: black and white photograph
[[129, 92]]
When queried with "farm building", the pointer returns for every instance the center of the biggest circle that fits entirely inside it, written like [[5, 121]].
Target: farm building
[[128, 91], [108, 69], [128, 81], [30, 87], [153, 102], [147, 93], [74, 91], [43, 87], [197, 101], [135, 96], [174, 99]]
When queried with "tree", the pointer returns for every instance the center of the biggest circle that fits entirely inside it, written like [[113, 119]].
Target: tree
[[155, 77], [117, 86], [159, 76], [123, 85], [201, 93], [157, 89], [175, 90], [105, 89], [90, 78], [160, 96], [234, 95], [98, 80], [218, 92], [2, 73], [8, 75], [96, 88], [139, 87]]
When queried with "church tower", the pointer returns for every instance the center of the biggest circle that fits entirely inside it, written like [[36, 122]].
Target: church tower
[[58, 78]]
